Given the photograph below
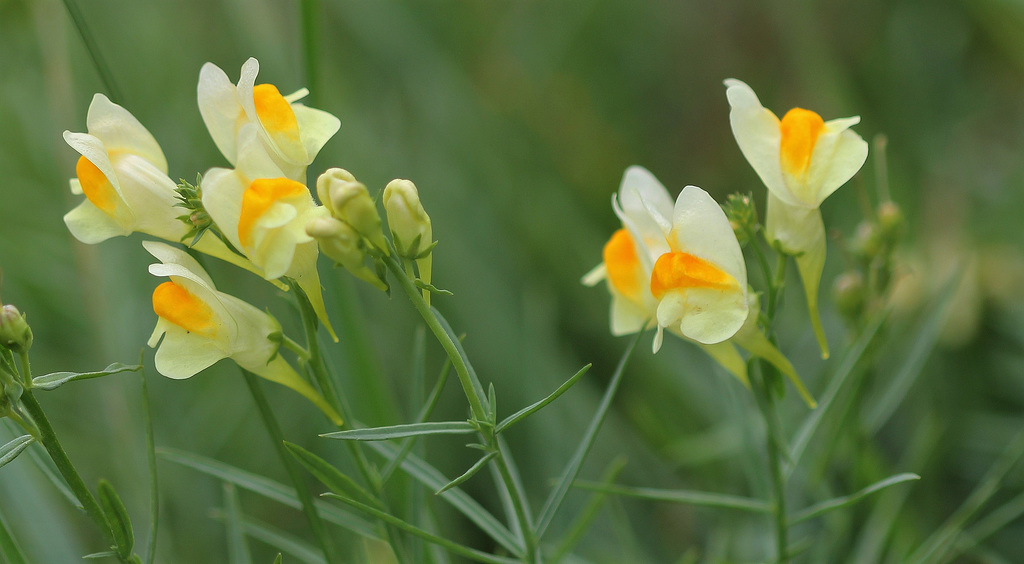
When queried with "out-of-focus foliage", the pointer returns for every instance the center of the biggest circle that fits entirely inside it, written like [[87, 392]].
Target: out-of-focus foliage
[[515, 120]]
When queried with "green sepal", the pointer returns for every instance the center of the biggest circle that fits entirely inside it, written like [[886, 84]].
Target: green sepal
[[58, 379]]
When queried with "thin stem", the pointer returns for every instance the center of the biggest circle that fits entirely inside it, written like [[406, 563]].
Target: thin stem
[[94, 52], [775, 289], [49, 440], [475, 402], [26, 369], [532, 553], [311, 15], [154, 490], [294, 472], [299, 350], [766, 403]]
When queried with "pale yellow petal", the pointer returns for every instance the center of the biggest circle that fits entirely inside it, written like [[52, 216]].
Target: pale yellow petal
[[218, 104], [627, 317], [757, 133], [183, 354], [701, 229], [90, 225], [121, 132], [316, 127]]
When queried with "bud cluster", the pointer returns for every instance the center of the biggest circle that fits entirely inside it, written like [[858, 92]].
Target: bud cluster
[[863, 287]]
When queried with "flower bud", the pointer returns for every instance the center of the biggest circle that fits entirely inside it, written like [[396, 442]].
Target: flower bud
[[409, 222], [849, 294], [350, 201], [891, 221], [339, 241], [867, 241], [742, 214], [15, 333]]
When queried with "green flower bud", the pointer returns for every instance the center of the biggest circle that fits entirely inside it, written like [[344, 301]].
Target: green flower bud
[[409, 222], [891, 221], [867, 241], [350, 201], [15, 333], [742, 214], [850, 293], [339, 241]]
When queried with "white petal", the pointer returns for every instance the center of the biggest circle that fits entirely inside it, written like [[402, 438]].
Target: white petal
[[183, 354], [90, 225], [218, 104], [169, 255], [254, 161], [222, 198], [711, 316], [120, 131], [316, 127], [643, 196], [626, 317], [757, 133], [95, 152], [597, 274], [838, 155], [76, 187], [150, 194], [702, 229]]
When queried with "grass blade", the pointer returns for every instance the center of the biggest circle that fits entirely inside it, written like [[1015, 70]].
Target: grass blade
[[687, 497], [452, 546], [8, 547], [117, 515], [424, 414], [460, 500], [582, 523], [555, 498], [402, 431], [268, 488], [94, 52], [277, 539], [154, 490], [843, 501], [531, 409], [989, 525], [330, 476]]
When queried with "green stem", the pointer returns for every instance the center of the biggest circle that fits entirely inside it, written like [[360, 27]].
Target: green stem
[[49, 440], [94, 52], [766, 403], [476, 403], [8, 547], [532, 553], [294, 472], [26, 370], [154, 489], [311, 16], [775, 289]]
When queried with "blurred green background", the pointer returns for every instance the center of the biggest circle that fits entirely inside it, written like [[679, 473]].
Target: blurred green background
[[516, 120]]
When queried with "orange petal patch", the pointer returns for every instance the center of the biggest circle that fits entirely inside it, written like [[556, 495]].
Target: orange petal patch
[[800, 130], [623, 265], [258, 198], [180, 307], [96, 186], [677, 270], [275, 113]]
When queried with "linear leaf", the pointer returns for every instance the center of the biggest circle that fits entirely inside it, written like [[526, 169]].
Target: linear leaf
[[434, 479], [268, 488], [836, 503], [468, 474], [120, 523], [558, 494], [8, 547], [11, 450], [238, 548], [154, 489], [687, 497], [407, 430], [452, 546], [58, 379], [530, 410], [331, 477]]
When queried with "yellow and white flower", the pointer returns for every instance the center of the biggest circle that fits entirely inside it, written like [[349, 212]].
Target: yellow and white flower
[[263, 214], [292, 133], [200, 326], [801, 159], [123, 174]]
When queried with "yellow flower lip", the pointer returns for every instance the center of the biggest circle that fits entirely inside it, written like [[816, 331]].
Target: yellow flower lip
[[800, 131], [182, 308], [677, 270], [96, 186], [257, 199], [623, 264], [275, 113]]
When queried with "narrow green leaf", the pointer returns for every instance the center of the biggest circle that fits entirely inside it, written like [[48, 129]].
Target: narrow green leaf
[[58, 379], [117, 515], [330, 476], [238, 548], [278, 559], [927, 336], [94, 52], [843, 501], [468, 474], [686, 497], [104, 554], [936, 546], [991, 524], [435, 480], [557, 495], [276, 538], [586, 517], [8, 547], [268, 488], [407, 430], [11, 450], [452, 546], [849, 363], [154, 490], [530, 410]]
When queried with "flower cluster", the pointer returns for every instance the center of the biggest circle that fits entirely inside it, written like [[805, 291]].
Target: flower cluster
[[258, 214], [679, 266]]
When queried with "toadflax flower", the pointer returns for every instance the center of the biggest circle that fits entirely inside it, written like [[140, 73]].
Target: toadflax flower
[[123, 174], [801, 159], [264, 214], [687, 274], [291, 133], [200, 326]]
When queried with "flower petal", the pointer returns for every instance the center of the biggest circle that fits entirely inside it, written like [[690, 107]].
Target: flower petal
[[218, 104], [316, 127], [91, 225], [706, 315], [120, 131], [183, 354], [701, 228], [222, 199], [168, 255], [626, 316], [757, 133], [838, 155]]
